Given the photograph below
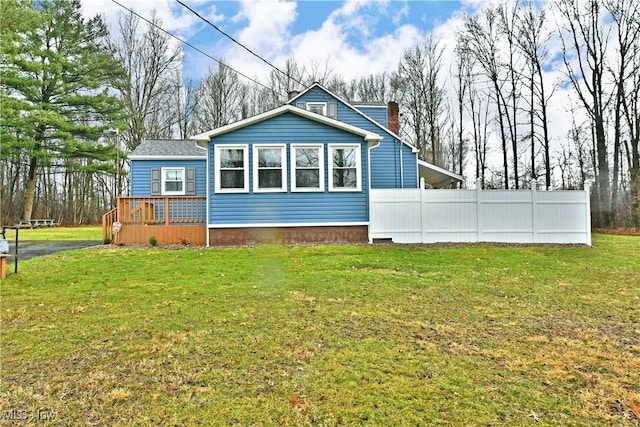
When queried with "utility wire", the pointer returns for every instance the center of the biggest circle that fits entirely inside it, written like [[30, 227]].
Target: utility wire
[[239, 44], [195, 48]]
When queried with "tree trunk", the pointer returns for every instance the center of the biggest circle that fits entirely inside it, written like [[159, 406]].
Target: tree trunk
[[503, 136], [30, 190], [602, 181]]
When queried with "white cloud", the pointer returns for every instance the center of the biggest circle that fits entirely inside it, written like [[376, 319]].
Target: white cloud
[[346, 39], [267, 31], [174, 17]]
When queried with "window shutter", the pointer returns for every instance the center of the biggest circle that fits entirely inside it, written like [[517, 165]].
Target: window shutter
[[302, 105], [155, 182], [332, 110], [190, 182]]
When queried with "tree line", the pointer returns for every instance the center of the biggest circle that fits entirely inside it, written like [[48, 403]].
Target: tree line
[[76, 98]]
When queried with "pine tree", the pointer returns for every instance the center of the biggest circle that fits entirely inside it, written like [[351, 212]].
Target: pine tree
[[56, 72]]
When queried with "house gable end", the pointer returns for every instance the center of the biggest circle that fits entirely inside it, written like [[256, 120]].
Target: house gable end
[[375, 121]]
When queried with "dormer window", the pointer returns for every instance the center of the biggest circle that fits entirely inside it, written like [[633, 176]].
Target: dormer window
[[328, 109], [317, 107]]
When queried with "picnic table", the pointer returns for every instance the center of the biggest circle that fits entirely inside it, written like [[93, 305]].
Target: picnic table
[[36, 223]]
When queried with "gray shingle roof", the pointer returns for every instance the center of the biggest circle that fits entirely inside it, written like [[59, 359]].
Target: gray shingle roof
[[169, 148]]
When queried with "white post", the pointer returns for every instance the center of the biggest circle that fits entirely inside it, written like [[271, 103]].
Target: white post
[[534, 208], [587, 210], [478, 213], [422, 190]]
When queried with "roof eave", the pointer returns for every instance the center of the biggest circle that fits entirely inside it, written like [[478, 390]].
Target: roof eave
[[439, 177], [370, 137], [172, 157]]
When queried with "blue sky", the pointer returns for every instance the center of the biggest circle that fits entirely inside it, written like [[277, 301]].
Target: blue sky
[[355, 37]]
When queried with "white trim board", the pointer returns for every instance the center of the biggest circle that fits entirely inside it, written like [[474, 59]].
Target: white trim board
[[289, 224], [369, 137], [143, 157]]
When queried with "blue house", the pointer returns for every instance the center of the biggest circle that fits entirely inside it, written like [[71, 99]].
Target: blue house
[[168, 167], [298, 173]]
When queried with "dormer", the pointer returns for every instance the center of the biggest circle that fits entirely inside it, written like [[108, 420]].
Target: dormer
[[328, 109]]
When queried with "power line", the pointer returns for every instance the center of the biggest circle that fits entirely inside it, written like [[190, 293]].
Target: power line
[[195, 48], [240, 44]]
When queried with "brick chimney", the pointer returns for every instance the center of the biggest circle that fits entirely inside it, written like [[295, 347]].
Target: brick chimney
[[393, 117]]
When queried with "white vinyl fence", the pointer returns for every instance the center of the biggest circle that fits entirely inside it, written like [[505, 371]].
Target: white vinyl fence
[[510, 216]]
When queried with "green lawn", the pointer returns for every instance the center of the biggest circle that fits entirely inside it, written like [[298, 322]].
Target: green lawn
[[58, 233], [326, 335]]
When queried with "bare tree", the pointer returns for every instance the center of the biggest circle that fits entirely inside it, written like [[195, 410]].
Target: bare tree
[[317, 71], [533, 36], [185, 106], [463, 80], [373, 88], [219, 99], [282, 83], [481, 36], [508, 28], [579, 139], [151, 62], [626, 77], [584, 41], [422, 98]]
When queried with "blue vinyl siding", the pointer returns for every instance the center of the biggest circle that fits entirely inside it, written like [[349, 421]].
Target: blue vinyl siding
[[141, 174], [345, 114], [377, 113], [288, 207], [385, 158], [385, 165]]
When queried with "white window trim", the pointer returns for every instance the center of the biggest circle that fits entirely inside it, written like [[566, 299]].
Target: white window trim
[[294, 187], [245, 160], [283, 167], [358, 186], [163, 180], [314, 104]]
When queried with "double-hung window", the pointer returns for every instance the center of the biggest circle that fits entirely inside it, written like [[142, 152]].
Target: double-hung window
[[172, 181], [232, 169], [345, 172], [329, 109], [307, 168], [269, 168], [317, 107]]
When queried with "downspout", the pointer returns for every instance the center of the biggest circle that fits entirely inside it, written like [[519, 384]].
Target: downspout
[[370, 147], [207, 198]]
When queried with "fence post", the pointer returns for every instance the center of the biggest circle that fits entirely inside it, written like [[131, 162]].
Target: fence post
[[587, 211], [534, 208], [422, 190], [478, 213]]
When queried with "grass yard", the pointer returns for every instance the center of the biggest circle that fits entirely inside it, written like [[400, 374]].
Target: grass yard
[[58, 233], [326, 335]]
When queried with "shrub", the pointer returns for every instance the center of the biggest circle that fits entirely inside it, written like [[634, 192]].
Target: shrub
[[106, 240], [153, 241]]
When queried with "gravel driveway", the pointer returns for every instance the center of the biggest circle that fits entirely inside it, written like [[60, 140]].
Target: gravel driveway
[[28, 249]]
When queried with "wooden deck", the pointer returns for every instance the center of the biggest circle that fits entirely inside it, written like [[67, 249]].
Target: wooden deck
[[171, 220]]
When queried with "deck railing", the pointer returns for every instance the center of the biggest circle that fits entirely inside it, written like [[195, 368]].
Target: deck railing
[[165, 213], [107, 225], [162, 210]]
